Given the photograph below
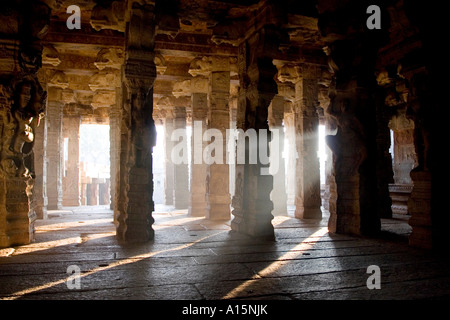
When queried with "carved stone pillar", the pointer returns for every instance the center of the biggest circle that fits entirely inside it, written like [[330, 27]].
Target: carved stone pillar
[[55, 150], [168, 145], [40, 167], [251, 202], [198, 203], [22, 105], [420, 203], [180, 170], [354, 150], [114, 136], [305, 77], [277, 165], [289, 118], [134, 221], [71, 177], [352, 50], [218, 196]]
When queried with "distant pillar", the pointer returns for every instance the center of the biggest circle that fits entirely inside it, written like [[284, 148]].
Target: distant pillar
[[198, 203], [277, 166], [54, 148], [168, 145], [181, 176], [71, 179], [218, 194]]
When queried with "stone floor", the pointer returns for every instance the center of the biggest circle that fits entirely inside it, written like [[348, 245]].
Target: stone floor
[[193, 258]]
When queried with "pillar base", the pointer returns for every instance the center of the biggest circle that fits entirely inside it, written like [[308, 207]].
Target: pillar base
[[419, 206], [254, 227], [16, 219], [308, 213], [197, 210]]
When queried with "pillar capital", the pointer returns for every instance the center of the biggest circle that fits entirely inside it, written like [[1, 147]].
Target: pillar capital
[[295, 72], [204, 65]]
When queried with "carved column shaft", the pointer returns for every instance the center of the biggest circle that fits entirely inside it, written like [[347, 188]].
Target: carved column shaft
[[168, 145], [307, 200], [134, 221], [251, 202], [291, 159], [114, 136], [218, 196], [198, 203], [54, 116], [277, 161], [421, 204], [71, 188], [22, 105], [180, 170], [40, 160]]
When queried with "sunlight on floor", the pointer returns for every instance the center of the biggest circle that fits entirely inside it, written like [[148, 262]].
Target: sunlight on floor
[[306, 244], [117, 263]]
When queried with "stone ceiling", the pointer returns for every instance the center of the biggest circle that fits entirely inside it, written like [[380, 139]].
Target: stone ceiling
[[86, 63]]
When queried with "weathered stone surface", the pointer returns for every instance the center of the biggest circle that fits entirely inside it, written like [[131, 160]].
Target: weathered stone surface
[[195, 258]]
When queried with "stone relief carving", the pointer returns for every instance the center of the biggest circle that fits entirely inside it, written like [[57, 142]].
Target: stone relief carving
[[22, 108], [109, 58]]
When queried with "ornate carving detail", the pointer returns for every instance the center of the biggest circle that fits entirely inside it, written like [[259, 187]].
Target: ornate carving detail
[[109, 58], [50, 56], [160, 63], [200, 67], [111, 16], [59, 79], [104, 80], [22, 107]]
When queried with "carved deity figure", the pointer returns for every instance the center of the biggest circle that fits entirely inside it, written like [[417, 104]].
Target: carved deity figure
[[20, 120]]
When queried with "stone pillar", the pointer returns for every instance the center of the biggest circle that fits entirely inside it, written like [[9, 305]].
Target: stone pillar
[[40, 164], [289, 118], [55, 150], [138, 132], [169, 168], [22, 105], [114, 136], [352, 54], [277, 165], [71, 179], [354, 149], [252, 207], [198, 203], [305, 77], [421, 202], [232, 155], [180, 170], [218, 196]]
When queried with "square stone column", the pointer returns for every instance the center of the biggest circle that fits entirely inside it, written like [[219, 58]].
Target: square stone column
[[114, 152], [55, 150], [169, 169], [218, 195], [252, 207], [40, 168], [71, 179], [138, 131], [306, 122], [291, 157], [277, 161], [180, 170], [198, 193]]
